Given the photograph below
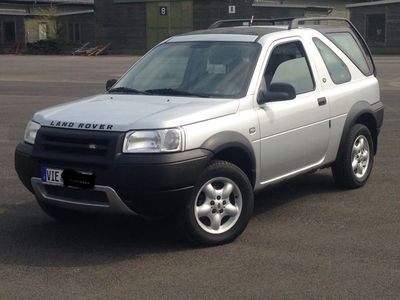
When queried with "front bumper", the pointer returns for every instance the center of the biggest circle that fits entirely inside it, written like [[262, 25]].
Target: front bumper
[[146, 184], [107, 199]]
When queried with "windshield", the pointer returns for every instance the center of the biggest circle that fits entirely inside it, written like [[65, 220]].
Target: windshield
[[200, 69]]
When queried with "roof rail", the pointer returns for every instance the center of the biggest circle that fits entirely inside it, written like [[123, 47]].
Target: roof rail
[[249, 22], [295, 23]]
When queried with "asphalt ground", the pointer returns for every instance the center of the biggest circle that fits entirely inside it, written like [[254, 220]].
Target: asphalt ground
[[307, 238]]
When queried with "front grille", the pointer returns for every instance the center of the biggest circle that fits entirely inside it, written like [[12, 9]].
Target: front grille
[[87, 146], [76, 195], [69, 144]]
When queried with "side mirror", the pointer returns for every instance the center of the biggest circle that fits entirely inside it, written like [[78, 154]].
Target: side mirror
[[277, 92], [110, 83]]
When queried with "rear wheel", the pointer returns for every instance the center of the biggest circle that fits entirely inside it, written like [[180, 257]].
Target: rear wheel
[[220, 207], [354, 167]]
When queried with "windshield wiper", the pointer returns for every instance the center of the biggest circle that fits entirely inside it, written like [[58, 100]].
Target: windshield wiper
[[126, 90], [174, 92]]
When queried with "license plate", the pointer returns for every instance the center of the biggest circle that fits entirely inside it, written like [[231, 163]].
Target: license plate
[[52, 176], [79, 179]]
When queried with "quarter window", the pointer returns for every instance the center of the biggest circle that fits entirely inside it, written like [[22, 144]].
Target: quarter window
[[288, 64], [346, 42], [336, 67]]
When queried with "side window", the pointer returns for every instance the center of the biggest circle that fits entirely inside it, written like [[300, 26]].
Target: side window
[[288, 64], [336, 67], [346, 42]]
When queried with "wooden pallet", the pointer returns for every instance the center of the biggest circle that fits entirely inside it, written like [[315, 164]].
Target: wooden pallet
[[16, 49], [81, 50], [85, 50], [99, 50]]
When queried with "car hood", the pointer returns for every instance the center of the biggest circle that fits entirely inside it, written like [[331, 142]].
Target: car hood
[[130, 112]]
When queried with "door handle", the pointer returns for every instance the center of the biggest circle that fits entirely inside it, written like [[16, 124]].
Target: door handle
[[322, 101]]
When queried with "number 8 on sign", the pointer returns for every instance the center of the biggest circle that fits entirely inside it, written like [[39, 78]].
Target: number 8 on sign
[[163, 10]]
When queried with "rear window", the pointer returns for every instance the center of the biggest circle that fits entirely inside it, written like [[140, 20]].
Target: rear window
[[358, 55], [336, 67]]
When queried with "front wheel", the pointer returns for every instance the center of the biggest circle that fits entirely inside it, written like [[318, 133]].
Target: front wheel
[[220, 207], [354, 167]]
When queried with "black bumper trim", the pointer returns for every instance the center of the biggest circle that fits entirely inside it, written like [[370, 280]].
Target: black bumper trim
[[146, 183], [379, 116]]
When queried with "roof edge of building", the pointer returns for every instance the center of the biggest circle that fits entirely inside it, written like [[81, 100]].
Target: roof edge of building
[[374, 3], [261, 4], [15, 12], [70, 2]]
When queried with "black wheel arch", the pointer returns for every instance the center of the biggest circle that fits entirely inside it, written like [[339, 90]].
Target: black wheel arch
[[370, 115], [235, 148]]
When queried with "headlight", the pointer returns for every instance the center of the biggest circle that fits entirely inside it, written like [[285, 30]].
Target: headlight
[[151, 141], [30, 132]]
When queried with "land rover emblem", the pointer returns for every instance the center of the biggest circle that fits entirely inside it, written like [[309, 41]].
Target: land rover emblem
[[92, 146]]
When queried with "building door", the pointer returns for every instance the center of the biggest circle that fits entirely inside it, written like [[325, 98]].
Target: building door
[[9, 32], [168, 18], [376, 28]]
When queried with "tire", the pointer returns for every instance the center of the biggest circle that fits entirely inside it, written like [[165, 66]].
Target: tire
[[62, 214], [220, 207], [354, 166]]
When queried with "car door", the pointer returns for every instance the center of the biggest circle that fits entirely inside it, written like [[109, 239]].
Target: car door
[[294, 133]]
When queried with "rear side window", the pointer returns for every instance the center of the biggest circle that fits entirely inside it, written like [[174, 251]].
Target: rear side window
[[336, 67], [346, 42]]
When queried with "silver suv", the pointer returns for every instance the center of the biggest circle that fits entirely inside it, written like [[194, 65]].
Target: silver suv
[[205, 120]]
